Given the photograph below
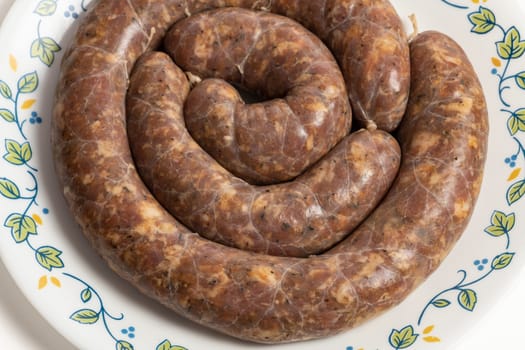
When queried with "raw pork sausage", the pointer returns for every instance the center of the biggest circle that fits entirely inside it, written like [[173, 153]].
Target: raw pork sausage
[[248, 295], [274, 140], [298, 218], [368, 41]]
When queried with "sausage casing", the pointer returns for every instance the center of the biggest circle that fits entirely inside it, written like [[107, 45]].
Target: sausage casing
[[306, 111], [251, 296], [298, 218], [368, 41]]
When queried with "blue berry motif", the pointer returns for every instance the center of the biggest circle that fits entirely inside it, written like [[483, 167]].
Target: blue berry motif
[[70, 12], [35, 118], [480, 264], [511, 161], [130, 332], [45, 211]]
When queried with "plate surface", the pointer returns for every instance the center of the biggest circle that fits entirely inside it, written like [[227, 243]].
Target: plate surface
[[65, 280]]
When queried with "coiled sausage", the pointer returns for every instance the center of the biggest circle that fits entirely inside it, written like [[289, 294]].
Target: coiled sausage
[[277, 139], [247, 295], [298, 218]]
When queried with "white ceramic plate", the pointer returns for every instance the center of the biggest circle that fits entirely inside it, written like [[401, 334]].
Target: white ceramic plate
[[65, 280]]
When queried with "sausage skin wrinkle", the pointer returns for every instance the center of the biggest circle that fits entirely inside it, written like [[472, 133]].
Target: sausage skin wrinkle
[[256, 297]]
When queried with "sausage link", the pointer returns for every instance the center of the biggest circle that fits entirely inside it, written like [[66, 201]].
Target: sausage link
[[443, 139], [365, 36], [270, 141], [248, 295], [298, 218], [368, 41]]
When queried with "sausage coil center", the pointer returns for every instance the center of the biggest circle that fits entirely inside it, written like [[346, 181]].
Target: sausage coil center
[[301, 248]]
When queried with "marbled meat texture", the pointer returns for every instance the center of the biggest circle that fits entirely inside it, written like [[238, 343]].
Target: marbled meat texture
[[248, 295]]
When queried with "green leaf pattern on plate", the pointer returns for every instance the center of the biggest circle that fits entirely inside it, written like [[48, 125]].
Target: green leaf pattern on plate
[[166, 345], [9, 189], [500, 224], [21, 226], [85, 316], [516, 121], [7, 115], [46, 8], [124, 345], [511, 47], [483, 21], [440, 303], [467, 298], [402, 339], [16, 153], [86, 295], [5, 90], [49, 257], [520, 80], [28, 83], [44, 48], [516, 191], [502, 261]]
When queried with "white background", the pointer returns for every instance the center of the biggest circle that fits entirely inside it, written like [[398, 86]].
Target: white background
[[22, 327]]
